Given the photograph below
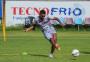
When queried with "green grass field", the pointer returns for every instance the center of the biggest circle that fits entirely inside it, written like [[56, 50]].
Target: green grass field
[[38, 47]]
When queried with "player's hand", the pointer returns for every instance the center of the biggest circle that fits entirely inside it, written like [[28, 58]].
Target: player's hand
[[55, 18]]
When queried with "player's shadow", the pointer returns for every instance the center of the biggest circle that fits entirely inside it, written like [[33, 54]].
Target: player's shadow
[[73, 59], [38, 55], [84, 52]]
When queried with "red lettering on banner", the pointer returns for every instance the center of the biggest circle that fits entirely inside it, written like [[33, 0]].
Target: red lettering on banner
[[28, 10], [21, 11], [36, 10], [14, 10], [47, 10]]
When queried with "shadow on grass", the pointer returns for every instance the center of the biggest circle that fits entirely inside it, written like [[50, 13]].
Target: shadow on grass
[[84, 52], [38, 55], [73, 59]]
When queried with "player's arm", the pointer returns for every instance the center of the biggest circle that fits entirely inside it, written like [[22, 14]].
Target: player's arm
[[29, 29], [55, 18]]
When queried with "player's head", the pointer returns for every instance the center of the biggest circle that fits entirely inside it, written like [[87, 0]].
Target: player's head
[[42, 13]]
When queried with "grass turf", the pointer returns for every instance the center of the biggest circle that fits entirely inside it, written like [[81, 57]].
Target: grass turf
[[38, 47]]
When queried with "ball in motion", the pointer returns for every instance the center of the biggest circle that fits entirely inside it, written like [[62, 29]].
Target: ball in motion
[[75, 52]]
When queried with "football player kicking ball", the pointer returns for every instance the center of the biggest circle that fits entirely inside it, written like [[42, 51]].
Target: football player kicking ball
[[48, 30]]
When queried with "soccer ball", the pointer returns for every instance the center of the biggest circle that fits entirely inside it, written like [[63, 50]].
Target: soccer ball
[[75, 52]]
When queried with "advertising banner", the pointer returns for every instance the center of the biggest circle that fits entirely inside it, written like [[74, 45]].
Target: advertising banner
[[16, 11]]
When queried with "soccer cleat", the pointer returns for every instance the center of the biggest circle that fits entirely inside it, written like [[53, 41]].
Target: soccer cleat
[[57, 46], [51, 55]]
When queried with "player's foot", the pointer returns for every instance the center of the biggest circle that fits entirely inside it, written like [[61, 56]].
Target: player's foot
[[58, 47], [51, 55]]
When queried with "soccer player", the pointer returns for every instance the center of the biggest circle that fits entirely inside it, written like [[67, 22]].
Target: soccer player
[[48, 30]]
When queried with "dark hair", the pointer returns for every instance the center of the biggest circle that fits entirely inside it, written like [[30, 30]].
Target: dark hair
[[42, 12]]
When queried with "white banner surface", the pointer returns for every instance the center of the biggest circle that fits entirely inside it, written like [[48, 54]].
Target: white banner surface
[[16, 11]]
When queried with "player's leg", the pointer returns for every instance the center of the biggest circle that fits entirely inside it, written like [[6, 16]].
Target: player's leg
[[52, 51], [55, 40], [52, 47], [48, 36]]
